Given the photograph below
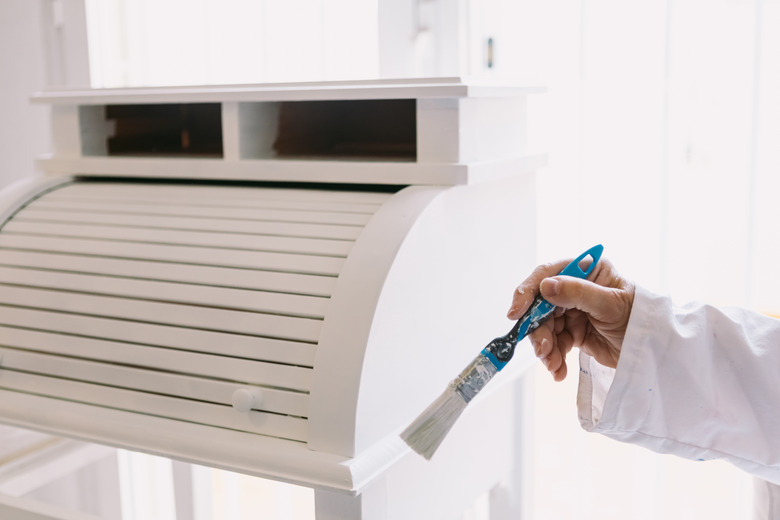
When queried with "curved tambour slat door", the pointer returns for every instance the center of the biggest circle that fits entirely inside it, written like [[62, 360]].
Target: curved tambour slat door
[[165, 300]]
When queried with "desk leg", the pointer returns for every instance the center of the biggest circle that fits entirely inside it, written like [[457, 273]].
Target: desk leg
[[508, 498], [371, 504]]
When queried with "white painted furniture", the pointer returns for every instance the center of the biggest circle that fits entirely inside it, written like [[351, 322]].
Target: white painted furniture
[[275, 280]]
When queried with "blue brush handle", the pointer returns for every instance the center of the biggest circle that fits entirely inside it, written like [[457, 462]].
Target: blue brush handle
[[500, 350]]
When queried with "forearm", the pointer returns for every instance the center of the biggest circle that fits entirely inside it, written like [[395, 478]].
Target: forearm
[[699, 382]]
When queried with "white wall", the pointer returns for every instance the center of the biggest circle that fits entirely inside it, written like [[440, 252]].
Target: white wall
[[24, 131], [199, 42], [42, 43]]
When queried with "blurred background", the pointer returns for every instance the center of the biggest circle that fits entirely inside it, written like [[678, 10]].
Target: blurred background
[[661, 122]]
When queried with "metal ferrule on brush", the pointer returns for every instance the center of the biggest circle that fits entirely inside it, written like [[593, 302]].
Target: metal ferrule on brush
[[474, 377]]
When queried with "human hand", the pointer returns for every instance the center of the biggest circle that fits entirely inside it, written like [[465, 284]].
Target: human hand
[[591, 314]]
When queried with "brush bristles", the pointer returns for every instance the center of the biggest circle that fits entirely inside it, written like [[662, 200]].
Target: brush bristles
[[427, 432]]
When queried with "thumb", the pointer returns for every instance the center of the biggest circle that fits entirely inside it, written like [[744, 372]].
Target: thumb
[[570, 292]]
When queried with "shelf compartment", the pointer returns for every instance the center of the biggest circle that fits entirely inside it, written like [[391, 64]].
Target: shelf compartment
[[155, 130], [371, 129]]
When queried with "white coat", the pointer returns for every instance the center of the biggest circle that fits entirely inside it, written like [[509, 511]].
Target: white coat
[[695, 381]]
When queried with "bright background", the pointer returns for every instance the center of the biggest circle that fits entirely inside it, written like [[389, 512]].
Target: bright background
[[662, 125]]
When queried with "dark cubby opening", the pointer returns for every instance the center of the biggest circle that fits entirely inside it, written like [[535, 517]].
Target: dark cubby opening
[[354, 129], [180, 129]]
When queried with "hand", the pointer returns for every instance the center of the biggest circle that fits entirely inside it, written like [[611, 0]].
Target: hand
[[591, 315]]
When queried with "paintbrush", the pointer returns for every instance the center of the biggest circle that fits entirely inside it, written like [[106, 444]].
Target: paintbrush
[[426, 433]]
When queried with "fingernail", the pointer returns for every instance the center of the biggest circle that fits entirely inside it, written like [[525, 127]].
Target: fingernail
[[549, 287], [542, 348], [511, 311]]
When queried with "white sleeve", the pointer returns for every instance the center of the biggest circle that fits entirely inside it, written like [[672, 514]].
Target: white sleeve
[[695, 381], [766, 500]]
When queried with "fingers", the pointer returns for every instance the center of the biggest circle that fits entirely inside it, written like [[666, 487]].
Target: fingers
[[592, 315], [543, 341], [569, 292], [551, 342], [529, 288]]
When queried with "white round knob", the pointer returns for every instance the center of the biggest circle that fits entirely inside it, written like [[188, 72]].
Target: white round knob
[[244, 399]]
